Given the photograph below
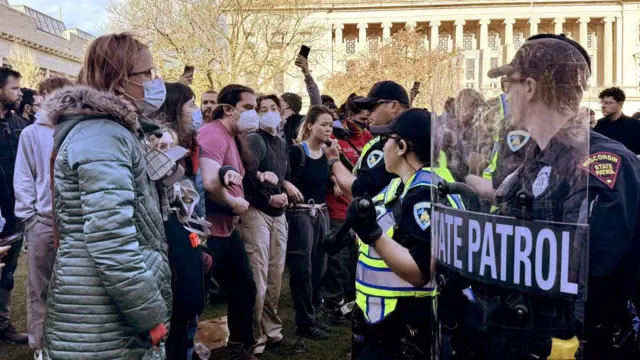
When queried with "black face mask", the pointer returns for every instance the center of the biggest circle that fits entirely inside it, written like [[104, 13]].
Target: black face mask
[[361, 125]]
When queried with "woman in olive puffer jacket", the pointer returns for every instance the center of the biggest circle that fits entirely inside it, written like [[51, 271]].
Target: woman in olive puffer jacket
[[110, 293]]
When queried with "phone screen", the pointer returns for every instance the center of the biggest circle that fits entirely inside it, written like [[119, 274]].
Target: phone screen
[[188, 70], [304, 51]]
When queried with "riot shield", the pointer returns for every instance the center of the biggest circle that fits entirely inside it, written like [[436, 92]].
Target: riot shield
[[509, 220]]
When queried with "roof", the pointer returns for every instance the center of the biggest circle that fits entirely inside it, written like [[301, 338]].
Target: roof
[[45, 22], [83, 34]]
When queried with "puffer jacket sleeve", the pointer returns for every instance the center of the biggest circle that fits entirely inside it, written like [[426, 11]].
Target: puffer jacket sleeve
[[106, 184]]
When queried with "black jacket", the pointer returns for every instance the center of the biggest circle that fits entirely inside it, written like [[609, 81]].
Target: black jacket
[[10, 128], [291, 128]]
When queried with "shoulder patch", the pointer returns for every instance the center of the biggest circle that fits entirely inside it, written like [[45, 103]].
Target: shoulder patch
[[421, 214], [374, 158], [517, 139], [604, 166]]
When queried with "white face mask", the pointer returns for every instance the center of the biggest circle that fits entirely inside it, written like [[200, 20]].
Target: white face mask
[[154, 95], [270, 121], [248, 121]]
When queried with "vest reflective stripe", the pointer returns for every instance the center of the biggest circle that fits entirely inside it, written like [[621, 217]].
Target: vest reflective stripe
[[493, 163], [377, 286], [365, 154]]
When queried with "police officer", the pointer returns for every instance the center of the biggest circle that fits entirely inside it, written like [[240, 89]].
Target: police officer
[[547, 78], [385, 100], [393, 318], [510, 145], [614, 222]]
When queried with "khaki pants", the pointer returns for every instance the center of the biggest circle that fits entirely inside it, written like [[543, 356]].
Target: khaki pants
[[40, 259], [265, 238]]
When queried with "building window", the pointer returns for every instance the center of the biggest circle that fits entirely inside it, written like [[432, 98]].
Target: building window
[[467, 42], [374, 43], [470, 72], [443, 43], [278, 83], [494, 63], [518, 39], [590, 40], [351, 45], [493, 42]]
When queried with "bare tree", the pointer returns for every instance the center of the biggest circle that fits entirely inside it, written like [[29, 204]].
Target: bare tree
[[405, 59], [252, 42], [23, 61]]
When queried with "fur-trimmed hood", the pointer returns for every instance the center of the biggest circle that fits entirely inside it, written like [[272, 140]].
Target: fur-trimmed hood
[[83, 100]]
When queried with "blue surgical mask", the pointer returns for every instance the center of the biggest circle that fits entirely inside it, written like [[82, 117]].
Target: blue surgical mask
[[196, 119], [154, 95]]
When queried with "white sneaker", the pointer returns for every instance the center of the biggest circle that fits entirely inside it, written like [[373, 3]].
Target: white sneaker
[[37, 354]]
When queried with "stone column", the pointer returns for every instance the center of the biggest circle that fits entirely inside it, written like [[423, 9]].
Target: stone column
[[485, 52], [339, 38], [619, 52], [386, 31], [362, 36], [459, 33], [533, 26], [608, 50], [558, 25], [434, 40], [584, 23], [508, 38]]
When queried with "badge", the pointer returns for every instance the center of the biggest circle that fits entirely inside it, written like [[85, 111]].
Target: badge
[[421, 214], [517, 139], [603, 166], [542, 181], [374, 158]]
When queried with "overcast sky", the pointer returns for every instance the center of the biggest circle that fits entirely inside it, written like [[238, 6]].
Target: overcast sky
[[84, 14]]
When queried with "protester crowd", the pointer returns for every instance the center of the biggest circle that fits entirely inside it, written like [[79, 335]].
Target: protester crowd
[[139, 203]]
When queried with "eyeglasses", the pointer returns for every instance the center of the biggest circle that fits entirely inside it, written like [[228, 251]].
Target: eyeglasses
[[610, 102], [378, 103], [153, 74]]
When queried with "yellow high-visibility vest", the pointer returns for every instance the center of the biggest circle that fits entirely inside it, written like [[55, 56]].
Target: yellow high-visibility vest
[[378, 288], [364, 154], [493, 163]]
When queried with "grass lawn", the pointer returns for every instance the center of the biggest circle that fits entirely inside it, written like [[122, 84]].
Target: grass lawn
[[336, 347]]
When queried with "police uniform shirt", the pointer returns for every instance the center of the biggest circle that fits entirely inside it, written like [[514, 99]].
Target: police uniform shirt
[[549, 176], [410, 223], [614, 223], [614, 195], [514, 144], [372, 176]]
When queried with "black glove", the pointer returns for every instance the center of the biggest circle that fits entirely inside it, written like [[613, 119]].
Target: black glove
[[361, 214]]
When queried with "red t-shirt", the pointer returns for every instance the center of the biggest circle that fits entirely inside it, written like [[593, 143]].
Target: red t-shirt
[[219, 145], [337, 206]]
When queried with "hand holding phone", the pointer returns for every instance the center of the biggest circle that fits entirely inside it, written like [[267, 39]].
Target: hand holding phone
[[187, 75]]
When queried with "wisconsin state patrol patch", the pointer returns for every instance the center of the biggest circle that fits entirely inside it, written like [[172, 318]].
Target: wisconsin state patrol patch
[[517, 139], [374, 158], [603, 166], [421, 214]]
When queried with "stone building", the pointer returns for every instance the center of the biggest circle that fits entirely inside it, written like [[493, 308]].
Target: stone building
[[57, 49], [490, 31]]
